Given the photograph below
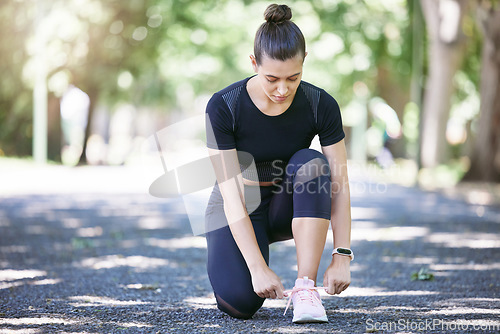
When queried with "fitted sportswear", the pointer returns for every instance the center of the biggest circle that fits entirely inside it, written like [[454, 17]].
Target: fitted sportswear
[[279, 146], [235, 122], [304, 192]]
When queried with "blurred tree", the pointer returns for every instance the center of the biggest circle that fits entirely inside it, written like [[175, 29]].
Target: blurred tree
[[144, 52], [361, 50], [114, 38], [444, 20], [165, 54], [485, 158], [15, 96]]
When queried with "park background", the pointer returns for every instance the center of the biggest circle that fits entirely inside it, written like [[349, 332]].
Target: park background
[[87, 83]]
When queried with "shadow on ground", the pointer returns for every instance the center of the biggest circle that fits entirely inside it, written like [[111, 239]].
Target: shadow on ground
[[113, 263]]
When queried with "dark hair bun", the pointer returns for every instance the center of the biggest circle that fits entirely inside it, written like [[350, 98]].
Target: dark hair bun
[[278, 13]]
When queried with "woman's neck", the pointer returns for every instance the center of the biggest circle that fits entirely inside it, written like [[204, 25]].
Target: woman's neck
[[262, 101]]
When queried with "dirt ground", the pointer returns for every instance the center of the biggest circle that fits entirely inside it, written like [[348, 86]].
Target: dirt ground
[[92, 255]]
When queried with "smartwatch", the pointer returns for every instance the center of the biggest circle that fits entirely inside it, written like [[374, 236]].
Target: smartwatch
[[343, 252]]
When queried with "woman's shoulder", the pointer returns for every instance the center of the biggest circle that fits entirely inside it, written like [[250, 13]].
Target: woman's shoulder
[[317, 95], [228, 96], [307, 86], [226, 99], [236, 86]]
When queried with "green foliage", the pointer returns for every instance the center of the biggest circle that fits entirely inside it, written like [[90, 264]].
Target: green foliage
[[165, 53], [82, 243], [422, 275], [15, 97]]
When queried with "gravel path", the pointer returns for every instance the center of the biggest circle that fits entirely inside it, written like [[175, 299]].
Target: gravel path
[[126, 262]]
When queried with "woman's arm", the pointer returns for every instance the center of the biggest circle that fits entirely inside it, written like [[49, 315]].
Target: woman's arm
[[265, 282], [337, 276]]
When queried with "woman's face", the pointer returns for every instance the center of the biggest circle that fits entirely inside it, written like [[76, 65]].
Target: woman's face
[[279, 79]]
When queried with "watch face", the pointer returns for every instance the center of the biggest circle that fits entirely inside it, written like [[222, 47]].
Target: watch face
[[344, 251]]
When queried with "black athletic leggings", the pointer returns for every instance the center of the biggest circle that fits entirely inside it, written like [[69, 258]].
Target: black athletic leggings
[[305, 191]]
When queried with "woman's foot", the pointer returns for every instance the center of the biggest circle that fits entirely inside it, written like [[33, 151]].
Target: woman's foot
[[307, 306]]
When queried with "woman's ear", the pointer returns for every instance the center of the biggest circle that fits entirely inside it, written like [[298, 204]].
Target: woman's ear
[[254, 63]]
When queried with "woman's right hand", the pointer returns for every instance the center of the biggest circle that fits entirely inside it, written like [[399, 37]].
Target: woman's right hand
[[266, 283]]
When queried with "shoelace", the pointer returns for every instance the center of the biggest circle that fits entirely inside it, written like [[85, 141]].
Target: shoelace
[[312, 297]]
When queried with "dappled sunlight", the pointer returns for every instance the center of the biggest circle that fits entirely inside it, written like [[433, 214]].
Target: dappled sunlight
[[12, 275], [10, 285], [469, 303], [479, 197], [207, 302], [114, 261], [465, 266], [284, 245], [465, 310], [297, 329], [89, 232], [130, 263], [36, 321], [178, 243], [396, 308], [360, 213], [458, 301], [127, 244], [133, 324], [356, 267], [464, 239], [14, 249], [21, 331], [153, 222], [395, 233], [10, 278], [275, 303], [354, 291], [51, 179], [48, 281], [409, 260], [72, 222], [93, 301], [140, 286], [376, 311]]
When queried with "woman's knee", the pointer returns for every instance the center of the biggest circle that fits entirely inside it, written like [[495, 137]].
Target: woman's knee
[[307, 164], [241, 307], [304, 155]]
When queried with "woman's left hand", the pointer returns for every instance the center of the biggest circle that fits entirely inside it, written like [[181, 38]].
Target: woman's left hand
[[338, 275]]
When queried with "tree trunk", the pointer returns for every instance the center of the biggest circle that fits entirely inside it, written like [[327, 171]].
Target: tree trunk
[[444, 23], [54, 128], [93, 96], [485, 158]]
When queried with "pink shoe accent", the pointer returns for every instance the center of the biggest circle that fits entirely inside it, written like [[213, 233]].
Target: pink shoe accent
[[307, 306]]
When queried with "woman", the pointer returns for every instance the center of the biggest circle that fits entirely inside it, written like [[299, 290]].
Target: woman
[[268, 121]]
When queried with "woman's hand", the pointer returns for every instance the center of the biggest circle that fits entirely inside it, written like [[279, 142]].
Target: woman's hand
[[338, 275], [266, 283]]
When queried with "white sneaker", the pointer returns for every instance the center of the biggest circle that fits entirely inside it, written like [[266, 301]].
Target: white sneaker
[[307, 306]]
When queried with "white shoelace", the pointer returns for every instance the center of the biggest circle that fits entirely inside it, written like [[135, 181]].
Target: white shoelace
[[310, 297]]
